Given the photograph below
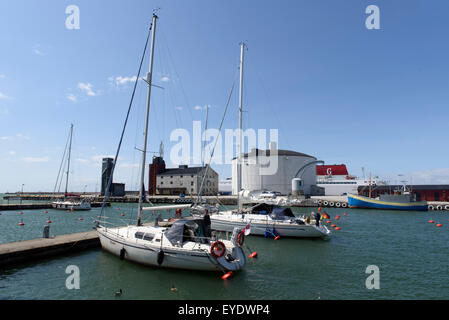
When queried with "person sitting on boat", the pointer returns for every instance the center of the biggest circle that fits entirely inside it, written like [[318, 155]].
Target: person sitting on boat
[[317, 219], [207, 223]]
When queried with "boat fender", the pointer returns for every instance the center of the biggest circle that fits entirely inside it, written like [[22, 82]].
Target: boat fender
[[122, 254], [241, 238], [446, 207], [439, 207], [160, 257], [217, 249]]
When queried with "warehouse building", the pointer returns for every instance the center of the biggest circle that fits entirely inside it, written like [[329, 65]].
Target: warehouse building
[[289, 162], [182, 180]]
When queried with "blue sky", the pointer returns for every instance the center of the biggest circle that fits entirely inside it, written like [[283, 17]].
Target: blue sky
[[334, 89]]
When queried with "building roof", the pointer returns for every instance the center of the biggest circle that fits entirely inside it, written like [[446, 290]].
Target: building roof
[[256, 152], [183, 170]]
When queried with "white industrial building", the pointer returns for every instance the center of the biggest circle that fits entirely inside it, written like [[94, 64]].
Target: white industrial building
[[288, 164]]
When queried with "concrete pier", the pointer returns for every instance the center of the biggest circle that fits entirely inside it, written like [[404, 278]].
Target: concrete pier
[[30, 250], [27, 206]]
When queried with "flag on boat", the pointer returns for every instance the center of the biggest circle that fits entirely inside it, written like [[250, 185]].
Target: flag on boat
[[247, 229]]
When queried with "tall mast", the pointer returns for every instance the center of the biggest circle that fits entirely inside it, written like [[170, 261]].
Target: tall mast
[[144, 149], [239, 157], [68, 160]]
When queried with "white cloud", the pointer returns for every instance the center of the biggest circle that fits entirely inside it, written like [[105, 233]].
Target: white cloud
[[12, 152], [122, 80], [178, 108], [197, 107], [2, 76], [36, 159], [165, 79], [18, 136], [80, 160], [4, 96], [87, 88], [128, 165], [21, 136], [71, 97], [435, 176]]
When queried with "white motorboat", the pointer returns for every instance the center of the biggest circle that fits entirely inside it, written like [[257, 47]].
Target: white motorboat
[[71, 201], [184, 244], [270, 221], [71, 205]]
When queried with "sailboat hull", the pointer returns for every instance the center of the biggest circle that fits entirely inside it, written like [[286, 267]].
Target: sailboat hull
[[282, 229], [177, 259]]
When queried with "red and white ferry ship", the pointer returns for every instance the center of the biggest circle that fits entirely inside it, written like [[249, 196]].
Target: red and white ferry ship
[[336, 180]]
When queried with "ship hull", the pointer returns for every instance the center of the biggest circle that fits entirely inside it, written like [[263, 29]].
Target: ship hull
[[356, 201]]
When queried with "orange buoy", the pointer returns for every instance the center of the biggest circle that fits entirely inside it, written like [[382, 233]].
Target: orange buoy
[[431, 221], [328, 221], [333, 225], [45, 211], [48, 221], [277, 237], [21, 224], [67, 210], [122, 214], [20, 212], [439, 225], [337, 218], [337, 228], [227, 275], [253, 255], [319, 209], [80, 219], [345, 214]]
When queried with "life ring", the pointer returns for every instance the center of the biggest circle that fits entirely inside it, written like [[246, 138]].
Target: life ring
[[446, 207], [439, 207], [325, 203], [241, 238], [217, 249], [344, 205], [338, 204], [331, 204], [430, 207]]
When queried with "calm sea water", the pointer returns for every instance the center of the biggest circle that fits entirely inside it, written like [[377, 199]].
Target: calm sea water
[[411, 253]]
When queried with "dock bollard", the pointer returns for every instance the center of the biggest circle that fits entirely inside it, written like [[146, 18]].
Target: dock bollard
[[46, 232]]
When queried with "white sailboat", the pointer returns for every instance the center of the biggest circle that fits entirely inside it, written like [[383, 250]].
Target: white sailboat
[[71, 201], [184, 244], [264, 219]]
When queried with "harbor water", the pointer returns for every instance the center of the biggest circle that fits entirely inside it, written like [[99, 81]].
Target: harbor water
[[411, 254]]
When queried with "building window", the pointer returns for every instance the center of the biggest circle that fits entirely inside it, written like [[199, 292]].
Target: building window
[[181, 176], [192, 175], [191, 183], [162, 182], [171, 182], [171, 177]]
